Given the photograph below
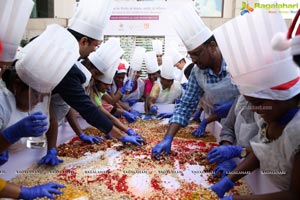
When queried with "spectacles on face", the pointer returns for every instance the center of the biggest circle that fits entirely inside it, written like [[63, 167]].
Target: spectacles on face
[[95, 43], [197, 54]]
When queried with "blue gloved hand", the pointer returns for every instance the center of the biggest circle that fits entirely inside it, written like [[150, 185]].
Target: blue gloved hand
[[137, 140], [230, 197], [131, 102], [223, 186], [108, 90], [128, 116], [135, 113], [3, 157], [224, 152], [45, 190], [91, 139], [224, 168], [164, 115], [131, 132], [153, 109], [32, 126], [184, 85], [178, 100], [163, 146], [127, 87], [50, 158], [200, 131], [147, 117], [222, 108], [197, 115], [108, 136]]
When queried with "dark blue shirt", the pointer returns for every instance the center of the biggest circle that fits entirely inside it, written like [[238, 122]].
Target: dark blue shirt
[[71, 90]]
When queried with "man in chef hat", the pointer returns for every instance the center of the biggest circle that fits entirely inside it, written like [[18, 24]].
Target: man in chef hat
[[14, 16], [269, 80], [209, 81], [158, 48], [87, 27], [41, 70]]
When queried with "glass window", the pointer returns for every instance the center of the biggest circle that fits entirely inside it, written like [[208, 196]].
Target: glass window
[[43, 9]]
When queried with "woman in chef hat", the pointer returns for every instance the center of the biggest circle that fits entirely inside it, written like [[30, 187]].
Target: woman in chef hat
[[269, 80]]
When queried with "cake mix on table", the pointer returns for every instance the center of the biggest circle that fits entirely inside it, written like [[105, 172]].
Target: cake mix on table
[[111, 170]]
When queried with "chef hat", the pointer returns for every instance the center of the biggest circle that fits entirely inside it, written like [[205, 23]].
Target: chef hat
[[106, 55], [14, 15], [108, 75], [167, 69], [121, 68], [189, 27], [282, 41], [137, 58], [90, 17], [176, 56], [157, 47], [245, 43], [151, 62], [48, 58]]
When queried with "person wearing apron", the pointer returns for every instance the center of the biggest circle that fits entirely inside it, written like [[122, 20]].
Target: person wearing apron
[[208, 74], [237, 131], [269, 80]]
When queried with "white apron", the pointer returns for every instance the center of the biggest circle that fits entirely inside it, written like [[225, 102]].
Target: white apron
[[277, 157], [224, 90], [169, 96], [245, 127], [137, 94]]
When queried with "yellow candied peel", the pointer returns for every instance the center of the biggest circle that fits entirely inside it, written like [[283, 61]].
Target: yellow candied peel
[[71, 192]]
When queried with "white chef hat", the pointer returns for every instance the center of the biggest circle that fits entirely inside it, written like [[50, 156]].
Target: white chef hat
[[245, 43], [176, 56], [106, 55], [189, 27], [108, 75], [167, 69], [14, 15], [91, 17], [157, 47], [137, 58], [151, 62], [48, 58]]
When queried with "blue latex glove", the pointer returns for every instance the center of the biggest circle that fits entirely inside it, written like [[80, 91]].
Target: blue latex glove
[[91, 139], [164, 115], [222, 108], [200, 131], [45, 190], [228, 197], [32, 126], [108, 136], [131, 102], [147, 117], [50, 158], [131, 132], [224, 152], [184, 85], [128, 116], [178, 100], [127, 87], [3, 157], [132, 139], [163, 146], [223, 186], [224, 168], [197, 115], [153, 109], [135, 113]]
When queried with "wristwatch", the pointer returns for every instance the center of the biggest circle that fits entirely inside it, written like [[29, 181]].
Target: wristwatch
[[244, 153]]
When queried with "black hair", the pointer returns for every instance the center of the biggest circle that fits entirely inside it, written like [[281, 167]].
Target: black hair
[[297, 59], [188, 69], [209, 40], [10, 76], [78, 36]]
